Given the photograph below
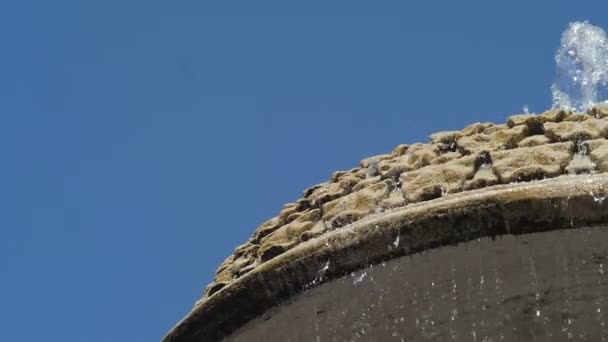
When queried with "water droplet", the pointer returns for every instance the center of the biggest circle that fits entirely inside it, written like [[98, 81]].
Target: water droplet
[[320, 274], [598, 198], [360, 278]]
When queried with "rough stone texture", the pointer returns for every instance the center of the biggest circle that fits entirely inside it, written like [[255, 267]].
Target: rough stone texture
[[493, 138], [599, 154], [590, 128], [437, 180], [528, 147], [529, 163]]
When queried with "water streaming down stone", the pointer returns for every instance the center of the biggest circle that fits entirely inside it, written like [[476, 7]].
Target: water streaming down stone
[[524, 306]]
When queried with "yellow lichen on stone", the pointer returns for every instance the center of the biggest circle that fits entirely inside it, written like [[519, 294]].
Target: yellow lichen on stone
[[577, 117], [318, 229], [446, 157], [483, 177], [523, 119], [445, 137], [576, 130], [553, 115], [395, 199], [528, 163], [288, 235], [354, 206], [580, 164], [495, 128], [223, 276], [400, 150], [288, 210], [498, 138], [527, 147], [375, 159], [599, 153], [329, 191], [366, 183], [475, 128], [266, 228], [416, 156], [534, 140], [435, 180], [599, 111]]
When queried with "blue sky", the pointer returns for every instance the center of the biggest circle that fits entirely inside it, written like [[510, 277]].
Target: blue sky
[[141, 141]]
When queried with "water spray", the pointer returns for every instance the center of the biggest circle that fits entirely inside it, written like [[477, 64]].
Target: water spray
[[582, 68]]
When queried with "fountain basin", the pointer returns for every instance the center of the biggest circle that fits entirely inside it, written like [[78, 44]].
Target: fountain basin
[[546, 286], [501, 212]]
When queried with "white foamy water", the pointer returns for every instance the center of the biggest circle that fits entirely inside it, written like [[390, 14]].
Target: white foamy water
[[582, 67]]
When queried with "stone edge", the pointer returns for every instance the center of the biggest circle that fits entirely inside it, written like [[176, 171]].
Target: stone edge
[[556, 203]]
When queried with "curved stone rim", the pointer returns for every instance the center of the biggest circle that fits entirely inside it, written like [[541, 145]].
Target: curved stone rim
[[557, 203], [528, 147]]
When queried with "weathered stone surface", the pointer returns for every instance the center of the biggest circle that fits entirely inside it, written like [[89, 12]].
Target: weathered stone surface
[[288, 235], [529, 163], [495, 128], [447, 137], [367, 183], [580, 164], [527, 147], [436, 180], [559, 203], [266, 228], [576, 130], [534, 140], [485, 176], [475, 128], [599, 154], [400, 150], [356, 205], [554, 115], [416, 156], [446, 157], [245, 249], [577, 117], [317, 230], [425, 171], [599, 112], [330, 191], [365, 163], [494, 138], [395, 199]]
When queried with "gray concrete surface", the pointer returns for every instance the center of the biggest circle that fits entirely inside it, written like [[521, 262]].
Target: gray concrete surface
[[547, 286]]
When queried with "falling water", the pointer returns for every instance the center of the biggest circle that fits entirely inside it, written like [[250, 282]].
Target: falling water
[[582, 67]]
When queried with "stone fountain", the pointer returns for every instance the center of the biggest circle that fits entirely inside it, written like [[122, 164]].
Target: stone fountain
[[490, 233], [494, 232]]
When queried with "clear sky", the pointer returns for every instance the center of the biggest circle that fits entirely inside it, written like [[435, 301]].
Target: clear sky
[[141, 141]]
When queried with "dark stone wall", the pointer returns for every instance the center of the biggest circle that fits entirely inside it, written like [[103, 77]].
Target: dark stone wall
[[547, 286]]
